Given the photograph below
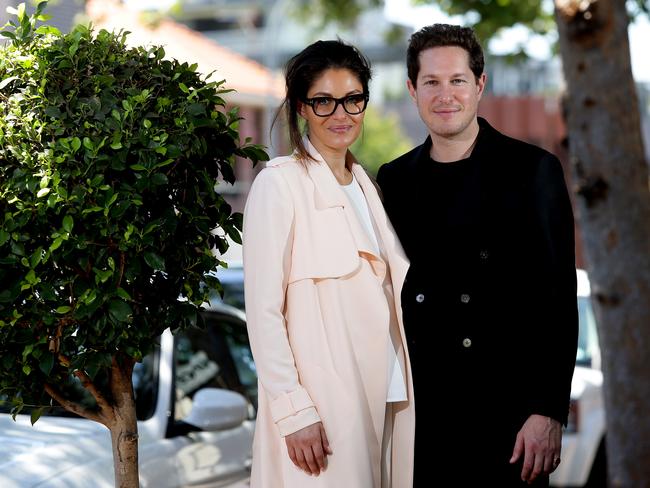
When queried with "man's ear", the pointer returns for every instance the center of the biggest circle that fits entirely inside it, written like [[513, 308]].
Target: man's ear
[[480, 84], [412, 90]]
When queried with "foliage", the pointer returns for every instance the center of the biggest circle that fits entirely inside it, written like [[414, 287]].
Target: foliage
[[342, 11], [487, 17], [381, 141], [109, 158]]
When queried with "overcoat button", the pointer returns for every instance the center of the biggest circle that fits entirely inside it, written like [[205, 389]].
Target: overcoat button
[[419, 298], [467, 342], [464, 298], [484, 254]]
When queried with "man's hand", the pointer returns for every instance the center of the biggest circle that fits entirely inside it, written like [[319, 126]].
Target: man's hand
[[308, 448], [540, 441]]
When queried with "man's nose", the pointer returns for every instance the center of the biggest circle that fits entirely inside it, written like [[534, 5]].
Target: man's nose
[[445, 95]]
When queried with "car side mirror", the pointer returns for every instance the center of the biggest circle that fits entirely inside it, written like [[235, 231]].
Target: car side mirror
[[217, 409]]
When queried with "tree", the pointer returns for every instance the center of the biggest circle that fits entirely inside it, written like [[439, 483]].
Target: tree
[[109, 159], [613, 197], [381, 140]]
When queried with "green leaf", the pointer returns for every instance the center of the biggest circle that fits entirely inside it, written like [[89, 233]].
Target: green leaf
[[20, 13], [56, 244], [119, 310], [31, 278], [4, 236], [159, 179], [76, 144], [46, 363], [102, 276], [154, 261], [64, 309], [68, 223], [121, 292], [36, 414]]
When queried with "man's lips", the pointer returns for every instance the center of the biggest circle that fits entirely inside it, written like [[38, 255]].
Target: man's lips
[[446, 110]]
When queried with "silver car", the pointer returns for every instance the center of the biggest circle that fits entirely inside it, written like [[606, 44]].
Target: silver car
[[196, 398]]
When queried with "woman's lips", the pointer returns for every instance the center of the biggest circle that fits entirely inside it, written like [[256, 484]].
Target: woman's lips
[[340, 129]]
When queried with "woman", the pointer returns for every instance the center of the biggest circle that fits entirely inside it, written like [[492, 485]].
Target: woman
[[323, 273]]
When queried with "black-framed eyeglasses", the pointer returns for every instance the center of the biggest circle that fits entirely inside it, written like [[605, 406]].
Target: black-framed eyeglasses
[[326, 106]]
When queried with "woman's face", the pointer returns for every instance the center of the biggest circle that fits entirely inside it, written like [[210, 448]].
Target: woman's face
[[339, 130]]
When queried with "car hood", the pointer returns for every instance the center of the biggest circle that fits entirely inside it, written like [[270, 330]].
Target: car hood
[[30, 455], [585, 379]]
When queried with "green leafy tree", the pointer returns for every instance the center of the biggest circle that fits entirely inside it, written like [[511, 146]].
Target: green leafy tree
[[109, 159], [381, 140], [612, 194]]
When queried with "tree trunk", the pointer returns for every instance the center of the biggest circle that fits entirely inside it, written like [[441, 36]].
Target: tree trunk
[[124, 425], [116, 412], [613, 198]]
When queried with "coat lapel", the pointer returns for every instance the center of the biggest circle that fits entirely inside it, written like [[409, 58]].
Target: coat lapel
[[328, 194]]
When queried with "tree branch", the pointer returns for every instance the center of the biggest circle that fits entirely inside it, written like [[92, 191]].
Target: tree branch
[[74, 407], [88, 384]]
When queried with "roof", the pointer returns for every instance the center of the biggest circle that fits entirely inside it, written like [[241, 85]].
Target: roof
[[254, 83]]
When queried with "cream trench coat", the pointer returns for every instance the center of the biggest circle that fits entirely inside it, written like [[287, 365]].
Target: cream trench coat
[[319, 303]]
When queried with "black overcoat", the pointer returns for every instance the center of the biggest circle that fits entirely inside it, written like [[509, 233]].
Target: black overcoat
[[495, 341]]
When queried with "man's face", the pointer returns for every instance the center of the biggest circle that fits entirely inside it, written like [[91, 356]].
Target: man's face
[[447, 92]]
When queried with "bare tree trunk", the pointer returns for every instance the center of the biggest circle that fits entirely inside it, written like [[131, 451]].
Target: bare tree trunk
[[124, 425], [611, 174], [116, 412]]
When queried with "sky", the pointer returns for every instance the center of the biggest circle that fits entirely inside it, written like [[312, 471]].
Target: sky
[[402, 12]]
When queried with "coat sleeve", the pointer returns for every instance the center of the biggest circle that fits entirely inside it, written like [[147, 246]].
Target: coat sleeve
[[267, 243], [555, 365]]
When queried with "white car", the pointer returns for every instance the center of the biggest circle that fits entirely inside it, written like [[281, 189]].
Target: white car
[[583, 443], [196, 397]]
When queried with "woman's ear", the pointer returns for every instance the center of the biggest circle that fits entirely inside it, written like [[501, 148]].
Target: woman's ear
[[301, 109]]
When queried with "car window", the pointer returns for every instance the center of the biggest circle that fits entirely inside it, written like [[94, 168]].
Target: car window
[[217, 356], [588, 350]]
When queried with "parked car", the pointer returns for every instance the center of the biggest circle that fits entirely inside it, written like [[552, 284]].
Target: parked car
[[196, 396], [232, 281], [583, 443]]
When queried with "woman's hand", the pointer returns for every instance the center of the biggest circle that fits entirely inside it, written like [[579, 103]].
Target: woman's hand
[[308, 448]]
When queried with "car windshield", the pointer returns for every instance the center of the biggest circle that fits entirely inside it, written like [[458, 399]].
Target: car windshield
[[588, 350]]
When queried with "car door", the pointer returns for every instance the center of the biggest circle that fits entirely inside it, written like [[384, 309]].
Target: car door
[[216, 356]]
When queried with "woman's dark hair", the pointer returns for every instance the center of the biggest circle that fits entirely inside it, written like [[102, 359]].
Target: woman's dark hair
[[442, 35], [305, 68]]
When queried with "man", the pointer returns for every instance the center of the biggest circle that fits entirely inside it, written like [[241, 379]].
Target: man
[[489, 302]]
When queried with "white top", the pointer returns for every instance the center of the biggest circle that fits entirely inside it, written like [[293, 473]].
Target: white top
[[396, 385]]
